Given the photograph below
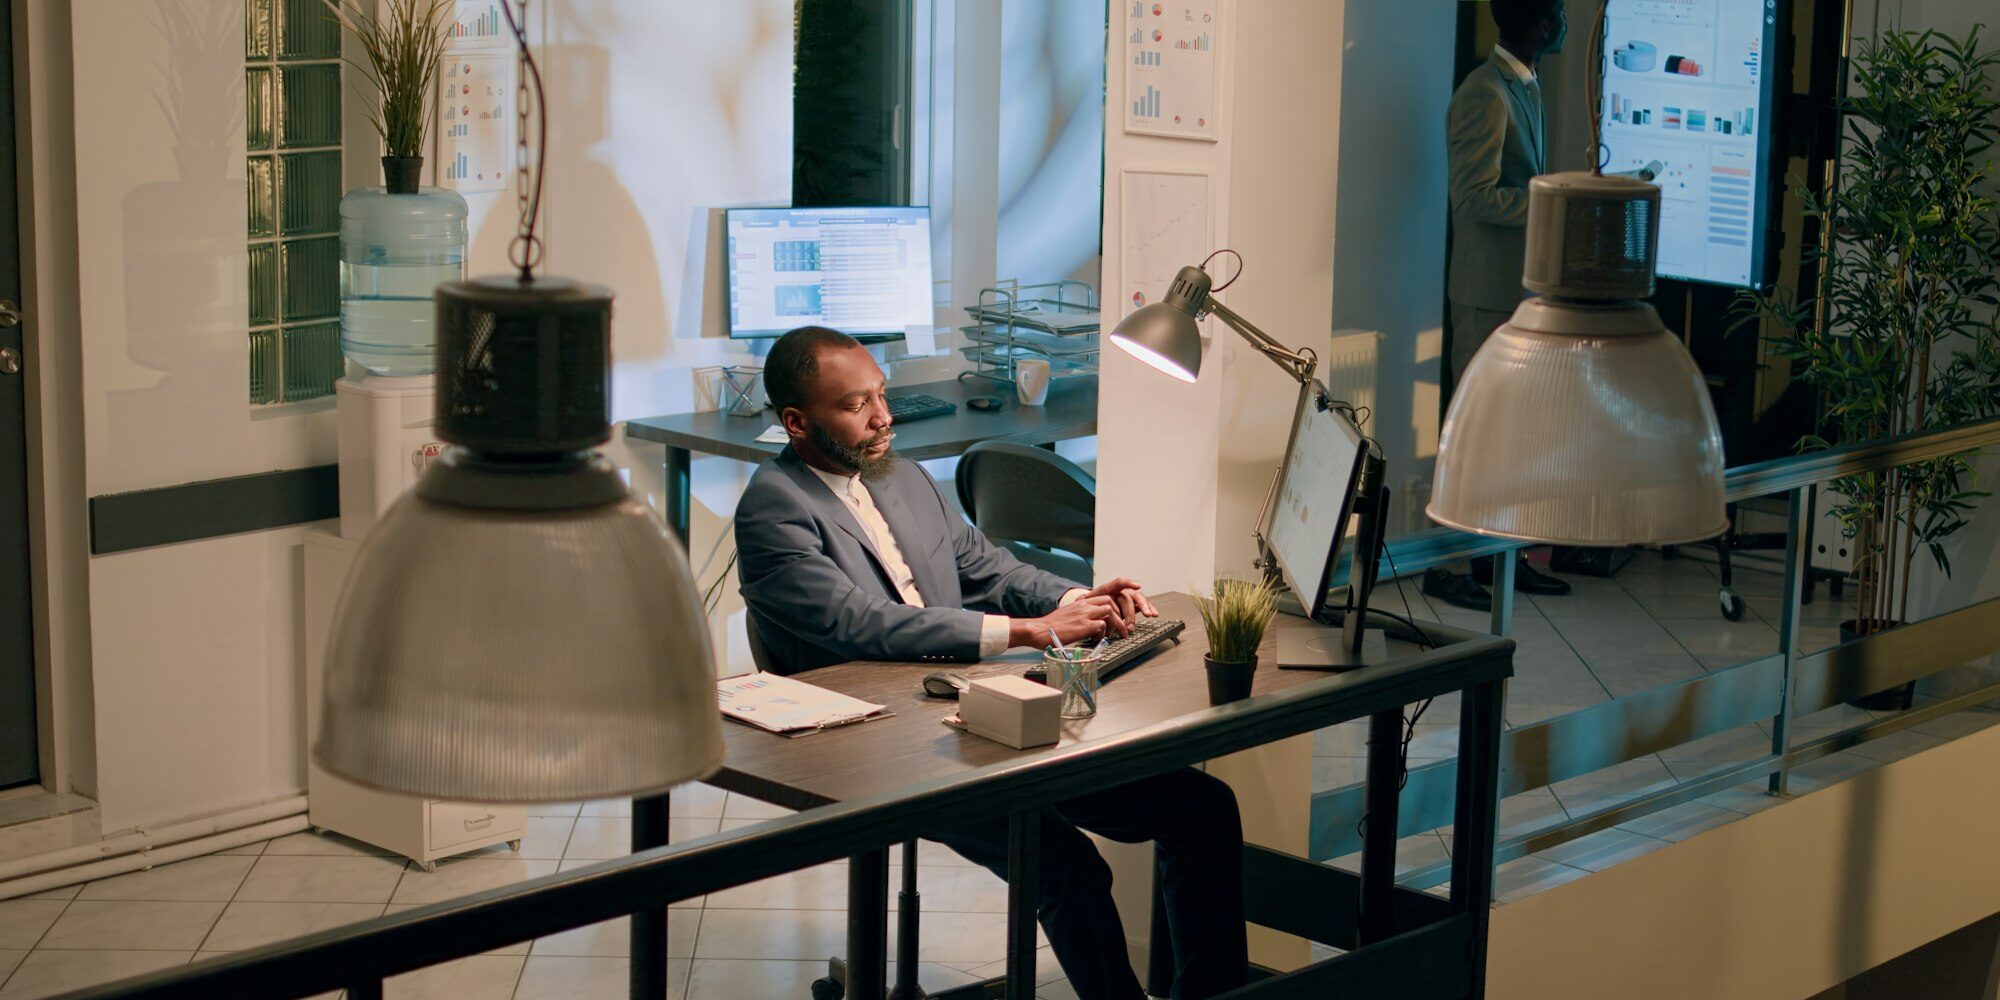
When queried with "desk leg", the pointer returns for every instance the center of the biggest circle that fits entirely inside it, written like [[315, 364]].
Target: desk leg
[[676, 471], [1478, 815], [868, 926], [1378, 836], [648, 968], [1024, 880]]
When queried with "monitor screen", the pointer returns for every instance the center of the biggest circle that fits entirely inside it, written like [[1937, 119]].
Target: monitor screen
[[1691, 84], [858, 270], [1315, 496]]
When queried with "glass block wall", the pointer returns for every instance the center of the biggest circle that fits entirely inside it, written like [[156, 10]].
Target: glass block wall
[[292, 82]]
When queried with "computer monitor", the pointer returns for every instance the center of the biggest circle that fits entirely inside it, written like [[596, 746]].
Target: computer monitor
[[863, 271], [1314, 498]]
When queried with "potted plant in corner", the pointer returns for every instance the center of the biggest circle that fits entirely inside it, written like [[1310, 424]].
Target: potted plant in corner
[[1235, 616], [398, 242], [1903, 336]]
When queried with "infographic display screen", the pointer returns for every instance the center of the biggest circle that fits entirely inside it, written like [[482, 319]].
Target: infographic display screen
[[857, 270], [1689, 84]]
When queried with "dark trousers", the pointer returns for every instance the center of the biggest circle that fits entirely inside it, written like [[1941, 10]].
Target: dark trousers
[[1192, 819]]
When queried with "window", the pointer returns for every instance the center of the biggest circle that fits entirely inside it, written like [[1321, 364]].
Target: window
[[292, 80]]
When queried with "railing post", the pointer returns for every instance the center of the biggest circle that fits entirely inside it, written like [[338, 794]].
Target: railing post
[[1024, 897], [1503, 593], [1796, 562], [647, 972]]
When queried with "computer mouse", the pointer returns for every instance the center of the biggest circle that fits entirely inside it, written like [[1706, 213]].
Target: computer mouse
[[983, 403], [944, 684]]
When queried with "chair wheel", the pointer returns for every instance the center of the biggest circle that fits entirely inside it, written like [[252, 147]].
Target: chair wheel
[[1732, 605], [828, 989]]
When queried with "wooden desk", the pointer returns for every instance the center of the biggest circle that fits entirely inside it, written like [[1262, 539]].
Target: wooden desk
[[914, 747], [1071, 412]]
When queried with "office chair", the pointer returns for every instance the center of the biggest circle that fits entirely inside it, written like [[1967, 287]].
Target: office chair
[[1029, 501]]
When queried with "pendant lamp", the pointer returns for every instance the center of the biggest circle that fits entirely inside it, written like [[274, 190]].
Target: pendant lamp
[[519, 627]]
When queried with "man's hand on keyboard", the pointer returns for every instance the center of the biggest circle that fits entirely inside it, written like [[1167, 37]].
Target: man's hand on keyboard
[[1084, 619], [1130, 600]]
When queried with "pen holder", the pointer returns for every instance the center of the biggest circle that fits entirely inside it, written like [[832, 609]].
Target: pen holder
[[1075, 674], [743, 391]]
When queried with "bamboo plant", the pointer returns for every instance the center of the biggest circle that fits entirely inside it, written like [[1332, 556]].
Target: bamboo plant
[[404, 43], [1902, 335], [1235, 616]]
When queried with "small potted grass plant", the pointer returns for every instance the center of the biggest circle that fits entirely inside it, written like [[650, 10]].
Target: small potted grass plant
[[1235, 616], [404, 41]]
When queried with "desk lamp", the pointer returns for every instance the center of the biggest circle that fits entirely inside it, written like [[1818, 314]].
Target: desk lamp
[[519, 627], [1165, 337], [1581, 420]]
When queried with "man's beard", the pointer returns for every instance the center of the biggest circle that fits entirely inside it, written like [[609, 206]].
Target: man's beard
[[856, 457]]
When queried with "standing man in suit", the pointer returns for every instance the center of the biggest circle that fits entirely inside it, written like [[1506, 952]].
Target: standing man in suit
[[1496, 143], [846, 551]]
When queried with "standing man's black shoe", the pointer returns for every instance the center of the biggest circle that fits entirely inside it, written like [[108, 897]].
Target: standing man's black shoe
[[1457, 591], [1527, 579]]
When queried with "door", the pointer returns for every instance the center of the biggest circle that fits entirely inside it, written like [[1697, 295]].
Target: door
[[18, 757]]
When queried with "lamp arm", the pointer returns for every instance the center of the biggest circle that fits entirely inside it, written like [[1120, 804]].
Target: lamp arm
[[1298, 364]]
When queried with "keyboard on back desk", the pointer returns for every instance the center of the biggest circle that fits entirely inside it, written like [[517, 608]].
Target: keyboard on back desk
[[917, 406], [1147, 634]]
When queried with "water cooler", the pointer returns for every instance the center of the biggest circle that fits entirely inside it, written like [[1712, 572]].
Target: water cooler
[[386, 442]]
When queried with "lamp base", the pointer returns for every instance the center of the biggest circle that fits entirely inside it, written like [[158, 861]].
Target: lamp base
[[1323, 649]]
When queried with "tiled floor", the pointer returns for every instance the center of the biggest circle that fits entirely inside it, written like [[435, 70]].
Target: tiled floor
[[1654, 624]]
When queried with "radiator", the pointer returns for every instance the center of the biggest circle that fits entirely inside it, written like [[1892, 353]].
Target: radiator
[[1349, 367]]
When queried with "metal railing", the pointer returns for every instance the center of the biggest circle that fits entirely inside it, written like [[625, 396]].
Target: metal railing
[[1777, 689]]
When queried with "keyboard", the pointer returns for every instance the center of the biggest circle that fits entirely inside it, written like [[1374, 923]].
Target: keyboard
[[918, 406], [1147, 634]]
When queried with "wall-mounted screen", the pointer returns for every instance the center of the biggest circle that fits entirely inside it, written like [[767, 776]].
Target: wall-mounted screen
[[862, 271], [1690, 84]]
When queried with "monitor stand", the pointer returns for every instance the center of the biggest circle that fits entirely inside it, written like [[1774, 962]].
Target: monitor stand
[[1347, 645]]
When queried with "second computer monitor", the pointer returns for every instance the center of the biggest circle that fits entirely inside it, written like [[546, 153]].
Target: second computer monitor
[[1315, 497], [862, 271]]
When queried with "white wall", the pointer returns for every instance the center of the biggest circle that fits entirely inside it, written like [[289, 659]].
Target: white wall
[[196, 647]]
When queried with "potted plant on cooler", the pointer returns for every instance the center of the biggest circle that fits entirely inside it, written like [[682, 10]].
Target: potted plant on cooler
[[1903, 336], [404, 42], [1235, 617]]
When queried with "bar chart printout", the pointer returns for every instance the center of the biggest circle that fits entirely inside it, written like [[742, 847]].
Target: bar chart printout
[[1170, 69]]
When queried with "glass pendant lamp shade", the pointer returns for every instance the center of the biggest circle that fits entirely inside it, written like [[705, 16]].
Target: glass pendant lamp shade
[[1581, 424], [519, 628]]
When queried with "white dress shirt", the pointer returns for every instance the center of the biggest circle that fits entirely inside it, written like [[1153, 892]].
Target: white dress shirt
[[853, 492]]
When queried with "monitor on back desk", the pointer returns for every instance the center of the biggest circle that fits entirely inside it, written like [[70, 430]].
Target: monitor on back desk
[[865, 271]]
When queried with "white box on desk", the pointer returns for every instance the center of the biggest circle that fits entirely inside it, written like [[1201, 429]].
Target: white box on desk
[[1012, 710]]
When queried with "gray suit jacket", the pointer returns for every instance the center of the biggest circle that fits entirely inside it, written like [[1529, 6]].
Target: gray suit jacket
[[818, 594], [1494, 132]]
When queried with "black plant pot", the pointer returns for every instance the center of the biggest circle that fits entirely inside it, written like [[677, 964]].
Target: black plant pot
[[1228, 682], [400, 173], [1896, 699]]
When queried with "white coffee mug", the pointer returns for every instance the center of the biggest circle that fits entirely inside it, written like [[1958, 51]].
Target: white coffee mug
[[1031, 381]]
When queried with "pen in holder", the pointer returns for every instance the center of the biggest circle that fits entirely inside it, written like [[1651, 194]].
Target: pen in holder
[[1075, 672], [743, 391]]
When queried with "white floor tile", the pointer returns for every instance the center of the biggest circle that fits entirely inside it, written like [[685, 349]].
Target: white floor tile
[[569, 809], [278, 879], [1047, 969], [250, 850], [952, 889], [1718, 643], [960, 938], [745, 807], [1523, 877], [481, 977], [796, 935], [324, 845], [213, 878], [819, 888], [543, 838], [465, 877], [131, 925], [246, 925], [517, 948], [1597, 851], [9, 958], [613, 938], [1747, 798], [47, 973], [1678, 823], [1418, 851], [1529, 811], [598, 838], [568, 978], [59, 892], [24, 921]]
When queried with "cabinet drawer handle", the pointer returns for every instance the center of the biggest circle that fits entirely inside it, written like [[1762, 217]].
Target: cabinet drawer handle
[[474, 824]]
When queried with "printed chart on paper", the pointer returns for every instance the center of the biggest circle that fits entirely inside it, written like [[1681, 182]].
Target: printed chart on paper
[[474, 118], [1164, 218], [1169, 67]]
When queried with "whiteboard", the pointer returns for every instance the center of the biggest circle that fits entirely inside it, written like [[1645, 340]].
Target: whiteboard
[[1163, 217]]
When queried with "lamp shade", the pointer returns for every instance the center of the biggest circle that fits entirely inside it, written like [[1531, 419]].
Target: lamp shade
[[519, 628], [1584, 424], [1163, 334]]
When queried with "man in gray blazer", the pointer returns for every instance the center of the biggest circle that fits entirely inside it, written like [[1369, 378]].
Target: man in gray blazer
[[846, 551], [1495, 144]]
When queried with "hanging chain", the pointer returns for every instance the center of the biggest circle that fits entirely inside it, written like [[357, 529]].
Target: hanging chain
[[525, 252]]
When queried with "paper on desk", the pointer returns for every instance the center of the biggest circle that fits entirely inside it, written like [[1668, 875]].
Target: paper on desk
[[780, 704], [773, 434]]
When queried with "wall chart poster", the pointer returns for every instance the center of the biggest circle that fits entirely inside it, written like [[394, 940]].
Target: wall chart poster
[[1169, 67], [478, 24], [1163, 219], [474, 122]]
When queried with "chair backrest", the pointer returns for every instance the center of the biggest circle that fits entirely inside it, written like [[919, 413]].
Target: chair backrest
[[760, 654], [1019, 493]]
